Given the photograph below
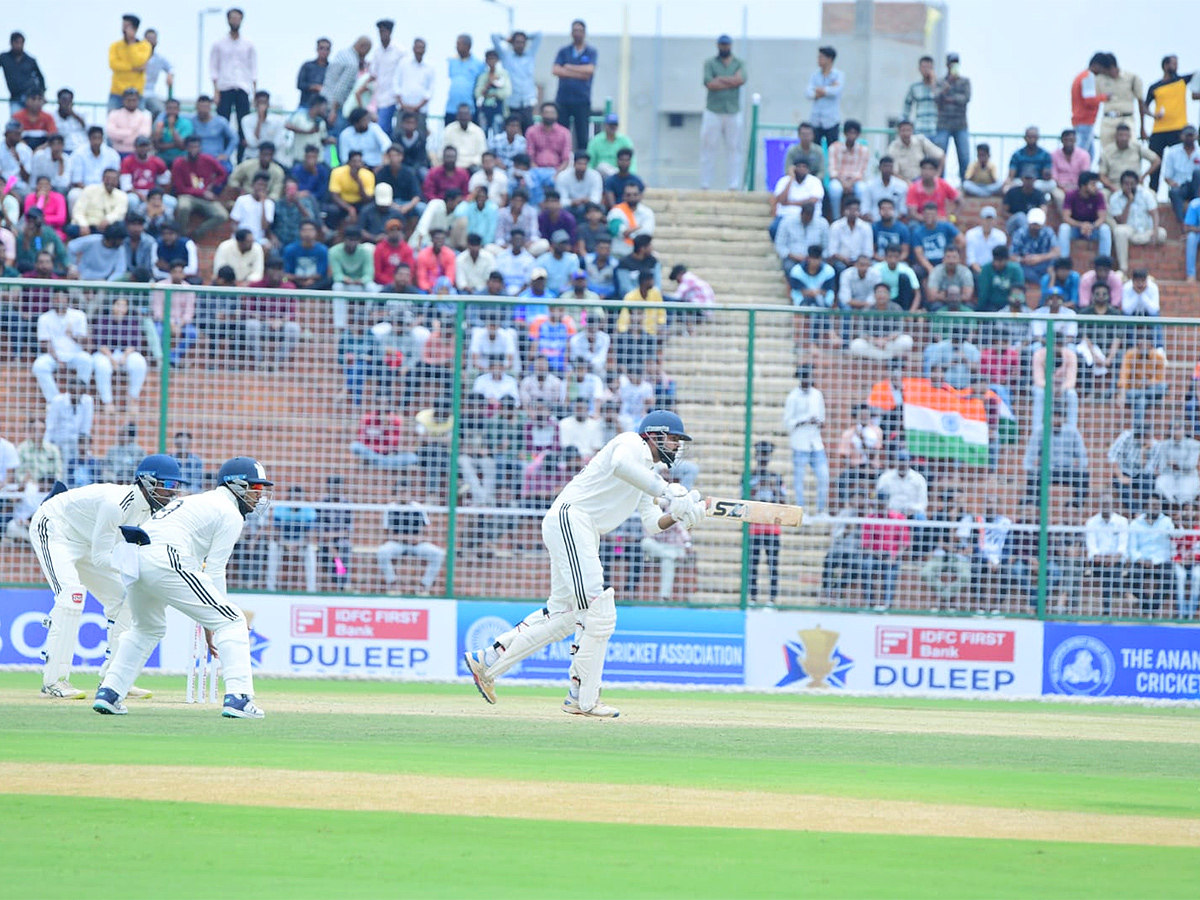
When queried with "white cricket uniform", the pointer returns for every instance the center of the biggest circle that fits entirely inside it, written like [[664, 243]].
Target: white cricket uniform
[[191, 540], [74, 534]]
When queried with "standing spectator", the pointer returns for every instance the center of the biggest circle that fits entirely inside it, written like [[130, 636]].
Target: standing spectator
[[1068, 460], [1143, 378], [952, 95], [1191, 228], [383, 69], [127, 58], [1107, 538], [883, 542], [126, 123], [920, 103], [1033, 247], [311, 79], [518, 53], [21, 72], [1085, 101], [767, 487], [721, 125], [908, 149], [1150, 553], [157, 65], [1125, 155], [848, 161], [1133, 214], [575, 67], [803, 416], [464, 71], [983, 239], [492, 90], [1123, 95], [1067, 163], [1019, 201], [414, 85], [233, 65], [1169, 98], [217, 137], [1181, 171], [982, 178], [1084, 212], [341, 79], [197, 178], [825, 86], [885, 186]]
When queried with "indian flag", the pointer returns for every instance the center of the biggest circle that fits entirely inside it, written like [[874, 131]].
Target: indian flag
[[942, 423], [1007, 425]]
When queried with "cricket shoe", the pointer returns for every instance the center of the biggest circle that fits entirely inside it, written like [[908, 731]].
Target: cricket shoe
[[240, 706], [137, 693], [486, 686], [600, 711], [108, 703], [63, 690]]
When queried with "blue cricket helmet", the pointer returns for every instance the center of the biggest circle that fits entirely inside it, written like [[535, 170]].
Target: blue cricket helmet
[[656, 426], [239, 475], [159, 477]]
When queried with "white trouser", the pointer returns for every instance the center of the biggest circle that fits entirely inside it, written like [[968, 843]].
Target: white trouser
[[285, 339], [669, 554], [275, 557], [341, 306], [166, 578], [69, 571], [391, 551], [897, 346], [134, 366], [1124, 235], [46, 365], [719, 130]]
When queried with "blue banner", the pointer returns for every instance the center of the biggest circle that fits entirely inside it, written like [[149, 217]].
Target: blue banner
[[1152, 661], [22, 634], [775, 159], [674, 646]]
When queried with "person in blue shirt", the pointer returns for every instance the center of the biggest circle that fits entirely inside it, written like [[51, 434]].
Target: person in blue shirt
[[306, 261], [825, 87], [519, 55], [574, 67], [1063, 277], [1032, 156], [465, 70], [890, 231], [812, 286], [930, 237], [217, 137], [312, 175]]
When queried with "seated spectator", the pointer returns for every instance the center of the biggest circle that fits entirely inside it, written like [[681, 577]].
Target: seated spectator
[[119, 342], [51, 204], [1033, 247], [1068, 461], [885, 186], [1064, 379], [1031, 157], [906, 489], [183, 316], [197, 179], [156, 214], [1140, 297], [614, 184], [255, 211], [479, 217], [515, 264], [551, 335], [908, 149], [797, 234], [930, 188], [312, 175], [36, 124], [549, 146], [950, 272], [1132, 455], [1084, 211], [1066, 328], [392, 252], [1067, 163], [377, 442], [435, 261], [352, 269], [306, 262], [100, 205], [374, 217], [580, 185], [264, 164], [605, 147], [589, 348], [1102, 344], [402, 182], [883, 543], [982, 178], [127, 123], [496, 383], [1063, 278], [446, 176], [69, 418], [792, 193], [271, 318], [849, 237], [1107, 540], [1181, 162], [292, 529], [881, 333], [812, 281], [858, 448], [519, 214], [930, 238], [217, 137], [601, 270], [856, 287], [406, 523], [364, 136], [492, 177], [509, 143], [902, 282], [467, 139], [1150, 553], [492, 340], [1133, 217], [473, 266], [578, 290], [351, 188], [630, 220], [141, 251], [171, 130], [88, 164], [61, 335], [1020, 200], [581, 431], [654, 318], [848, 161], [1143, 376], [1177, 481], [1125, 154], [52, 161], [553, 217], [100, 257], [956, 356], [807, 148], [261, 126], [559, 262], [889, 230], [541, 387], [242, 254], [141, 172], [693, 290]]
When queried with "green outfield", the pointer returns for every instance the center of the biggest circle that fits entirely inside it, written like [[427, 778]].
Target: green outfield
[[383, 790]]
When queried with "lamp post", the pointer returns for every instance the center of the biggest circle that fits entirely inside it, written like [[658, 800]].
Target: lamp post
[[200, 14], [510, 13]]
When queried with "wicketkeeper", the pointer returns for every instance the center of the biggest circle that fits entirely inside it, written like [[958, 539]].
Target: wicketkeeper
[[619, 481]]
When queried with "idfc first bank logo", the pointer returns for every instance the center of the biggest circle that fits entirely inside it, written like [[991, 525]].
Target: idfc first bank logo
[[367, 623]]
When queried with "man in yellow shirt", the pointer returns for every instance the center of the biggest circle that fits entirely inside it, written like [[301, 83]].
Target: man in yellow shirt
[[350, 187], [1167, 102], [655, 317], [127, 58]]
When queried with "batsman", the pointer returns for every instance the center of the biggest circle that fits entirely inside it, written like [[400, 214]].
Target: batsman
[[622, 479]]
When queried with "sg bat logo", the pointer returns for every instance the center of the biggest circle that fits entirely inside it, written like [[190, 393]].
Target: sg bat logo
[[728, 509]]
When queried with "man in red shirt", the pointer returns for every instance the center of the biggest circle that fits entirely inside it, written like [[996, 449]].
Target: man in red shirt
[[435, 261], [930, 188], [549, 147], [447, 175], [142, 172], [36, 124], [197, 179], [1085, 103], [392, 252]]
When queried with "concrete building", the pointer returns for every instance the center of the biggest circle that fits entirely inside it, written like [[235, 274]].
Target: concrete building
[[878, 47]]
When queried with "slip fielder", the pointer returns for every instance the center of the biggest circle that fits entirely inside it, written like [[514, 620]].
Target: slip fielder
[[619, 481], [74, 535]]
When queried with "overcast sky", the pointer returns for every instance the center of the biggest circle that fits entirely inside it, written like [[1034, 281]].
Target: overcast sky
[[1019, 54]]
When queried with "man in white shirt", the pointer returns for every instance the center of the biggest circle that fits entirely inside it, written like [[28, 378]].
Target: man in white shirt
[[466, 137], [255, 211], [413, 85], [1150, 554], [473, 266], [1107, 539], [495, 384], [515, 264], [885, 186], [494, 342], [1139, 296], [579, 185], [494, 179], [60, 333], [89, 163], [233, 64], [800, 189], [590, 346], [243, 254], [261, 126], [383, 69], [850, 237], [982, 239], [181, 562], [580, 431], [364, 136], [803, 416], [906, 489]]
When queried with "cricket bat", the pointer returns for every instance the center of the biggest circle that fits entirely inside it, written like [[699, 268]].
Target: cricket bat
[[756, 512]]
